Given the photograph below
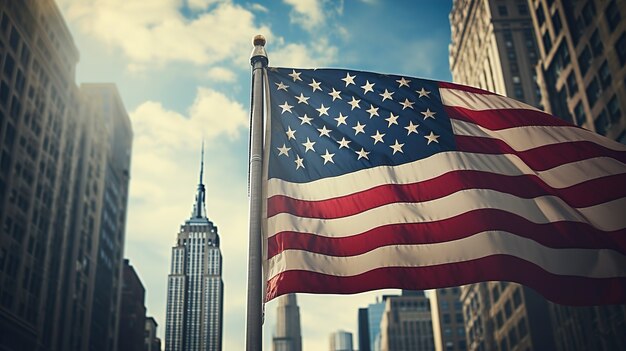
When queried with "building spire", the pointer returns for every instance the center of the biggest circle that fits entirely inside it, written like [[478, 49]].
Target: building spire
[[199, 210]]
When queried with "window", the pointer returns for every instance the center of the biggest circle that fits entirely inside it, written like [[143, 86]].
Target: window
[[584, 60], [620, 48], [593, 92], [541, 17], [9, 66], [458, 318], [14, 40], [614, 111], [572, 86], [518, 91], [503, 345], [605, 75], [547, 42], [495, 293], [522, 330], [556, 23], [460, 331], [596, 44], [579, 113], [444, 305], [499, 320], [612, 15], [513, 336], [502, 10], [517, 298], [589, 10], [446, 318], [522, 9], [507, 309], [602, 123], [4, 93]]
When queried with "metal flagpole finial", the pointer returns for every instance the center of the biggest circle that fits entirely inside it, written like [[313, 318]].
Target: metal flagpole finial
[[258, 53]]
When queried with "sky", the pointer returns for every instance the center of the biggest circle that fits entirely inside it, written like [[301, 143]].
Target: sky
[[183, 71]]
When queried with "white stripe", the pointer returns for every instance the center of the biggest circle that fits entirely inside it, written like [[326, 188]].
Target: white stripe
[[545, 209], [480, 102], [530, 137], [592, 263], [437, 165]]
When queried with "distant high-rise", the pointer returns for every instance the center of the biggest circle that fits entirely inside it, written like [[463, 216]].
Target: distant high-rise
[[407, 323], [132, 312], [448, 321], [64, 173], [288, 335], [341, 341], [151, 341], [195, 288]]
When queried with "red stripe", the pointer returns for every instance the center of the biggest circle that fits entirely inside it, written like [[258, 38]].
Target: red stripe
[[505, 118], [448, 85], [585, 194], [542, 157], [568, 290], [555, 235]]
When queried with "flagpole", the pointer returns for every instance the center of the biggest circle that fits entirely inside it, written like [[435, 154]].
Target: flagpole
[[254, 322]]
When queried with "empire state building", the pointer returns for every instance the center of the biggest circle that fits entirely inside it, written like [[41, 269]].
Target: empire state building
[[195, 289]]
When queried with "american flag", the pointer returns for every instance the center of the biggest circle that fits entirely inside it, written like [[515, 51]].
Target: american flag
[[384, 181]]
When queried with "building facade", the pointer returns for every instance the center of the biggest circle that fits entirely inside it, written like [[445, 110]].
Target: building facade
[[132, 312], [448, 320], [288, 335], [493, 47], [195, 289], [406, 323], [151, 341], [340, 341], [56, 189], [582, 58]]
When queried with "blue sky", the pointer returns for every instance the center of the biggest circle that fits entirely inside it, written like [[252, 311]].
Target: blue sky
[[182, 69]]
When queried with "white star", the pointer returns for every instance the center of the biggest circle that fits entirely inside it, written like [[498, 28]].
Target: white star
[[322, 110], [402, 82], [349, 79], [406, 104], [397, 147], [412, 128], [373, 111], [335, 94], [423, 92], [324, 131], [359, 128], [362, 154], [343, 143], [367, 87], [378, 137], [393, 119], [386, 95], [302, 99], [432, 137], [341, 119], [281, 86], [295, 75], [428, 113], [299, 162], [291, 134], [283, 150], [328, 157], [354, 103], [305, 119], [315, 85], [285, 107], [308, 145]]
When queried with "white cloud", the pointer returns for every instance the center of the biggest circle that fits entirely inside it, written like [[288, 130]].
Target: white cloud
[[202, 4], [306, 13], [315, 54], [259, 8], [221, 74], [155, 32]]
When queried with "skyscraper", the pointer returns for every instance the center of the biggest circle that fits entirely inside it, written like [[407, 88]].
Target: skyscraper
[[448, 321], [64, 173], [195, 289], [341, 341], [288, 335], [407, 323]]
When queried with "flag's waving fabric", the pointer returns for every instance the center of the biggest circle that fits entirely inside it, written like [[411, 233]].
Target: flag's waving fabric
[[377, 181]]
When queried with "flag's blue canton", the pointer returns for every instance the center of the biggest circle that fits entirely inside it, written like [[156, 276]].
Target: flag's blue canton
[[328, 122]]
